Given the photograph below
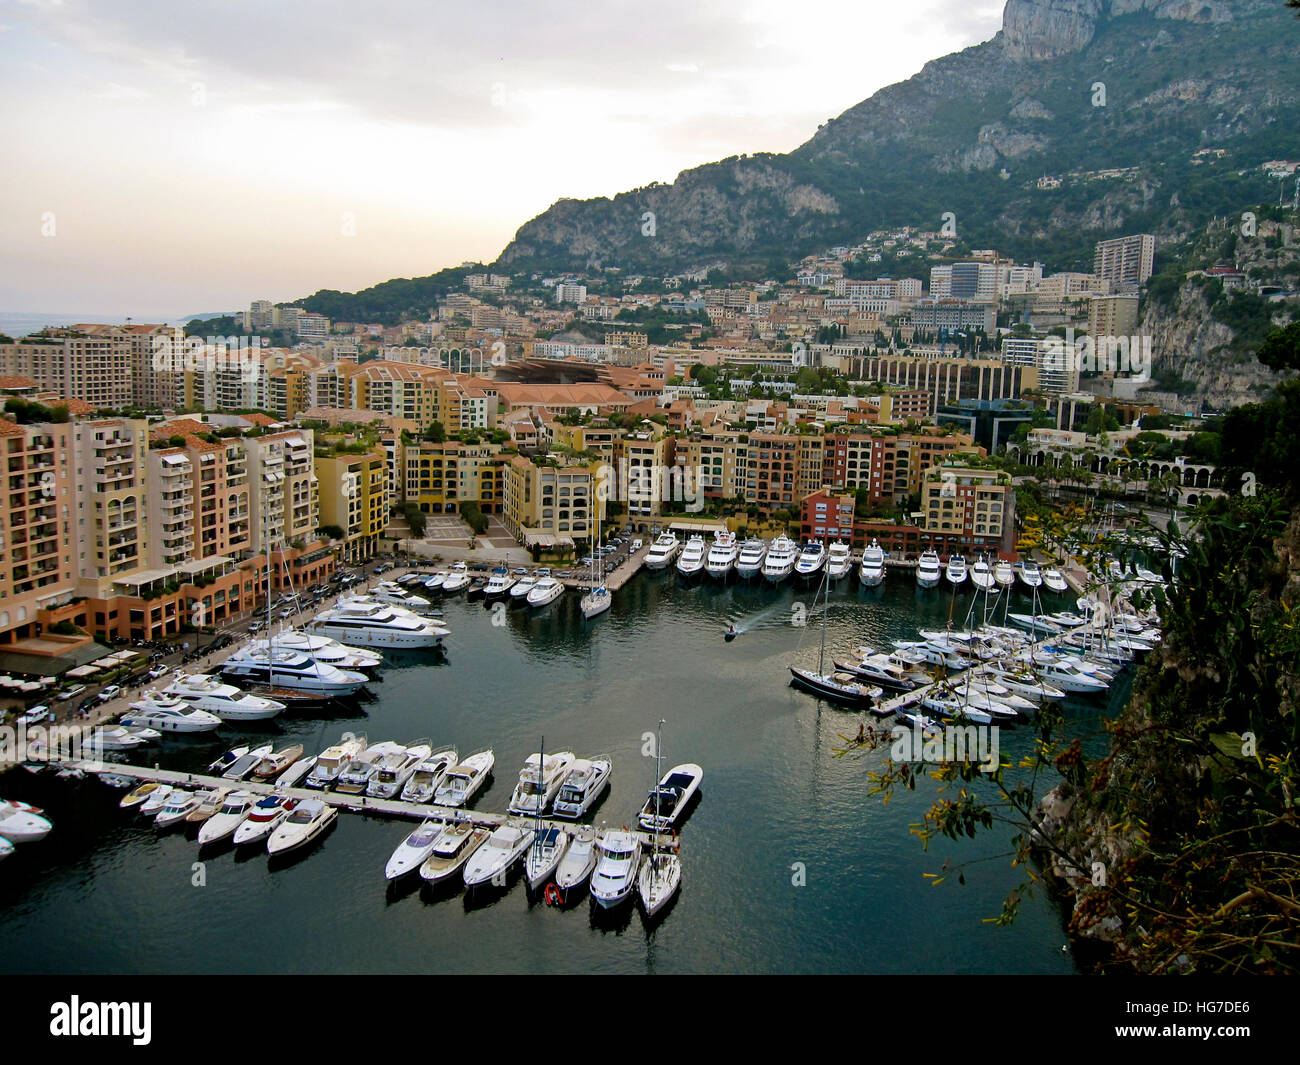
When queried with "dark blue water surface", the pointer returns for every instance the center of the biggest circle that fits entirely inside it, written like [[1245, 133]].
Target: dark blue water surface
[[106, 893]]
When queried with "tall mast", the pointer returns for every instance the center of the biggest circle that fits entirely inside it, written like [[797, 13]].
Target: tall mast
[[821, 658], [659, 757]]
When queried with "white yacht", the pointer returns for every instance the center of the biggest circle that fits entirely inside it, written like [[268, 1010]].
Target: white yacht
[[139, 795], [839, 560], [422, 785], [21, 823], [668, 801], [178, 807], [238, 805], [205, 691], [781, 557], [545, 592], [663, 551], [811, 560], [394, 770], [435, 583], [1004, 574], [690, 563], [1055, 580], [309, 819], [523, 588], [498, 584], [373, 624], [169, 714], [658, 881], [956, 572], [927, 570], [722, 554], [885, 670], [617, 863], [331, 762], [539, 780], [264, 819], [282, 668], [324, 649], [494, 858], [156, 800], [586, 782], [452, 849], [872, 570], [457, 580], [116, 738], [749, 563], [413, 850], [463, 781], [395, 595], [981, 575], [1031, 574], [579, 860]]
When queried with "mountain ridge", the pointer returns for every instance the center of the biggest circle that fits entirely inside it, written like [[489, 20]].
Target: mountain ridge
[[1174, 75]]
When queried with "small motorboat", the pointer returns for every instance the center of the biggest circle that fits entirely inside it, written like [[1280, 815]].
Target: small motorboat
[[139, 795], [304, 825], [220, 765], [277, 762], [673, 795], [264, 819], [177, 808], [242, 768], [579, 860], [463, 781], [492, 861], [210, 800], [413, 850], [238, 805], [157, 800]]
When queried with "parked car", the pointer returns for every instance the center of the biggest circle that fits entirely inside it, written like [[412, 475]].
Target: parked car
[[88, 702], [636, 545], [111, 692], [70, 693], [159, 671], [256, 626], [35, 715], [383, 567]]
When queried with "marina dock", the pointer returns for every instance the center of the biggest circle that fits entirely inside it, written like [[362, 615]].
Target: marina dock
[[360, 804]]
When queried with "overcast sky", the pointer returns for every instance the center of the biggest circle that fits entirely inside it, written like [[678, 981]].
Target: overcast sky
[[165, 158]]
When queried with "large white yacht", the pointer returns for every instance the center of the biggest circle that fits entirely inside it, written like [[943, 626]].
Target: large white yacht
[[872, 570], [981, 574], [375, 624], [750, 561], [309, 819], [691, 561], [811, 560], [325, 649], [927, 570], [781, 557], [722, 555], [839, 560], [206, 691], [663, 551], [498, 584], [537, 786], [493, 859], [421, 786], [282, 668]]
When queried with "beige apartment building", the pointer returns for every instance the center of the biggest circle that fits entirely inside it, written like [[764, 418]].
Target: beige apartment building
[[354, 496], [282, 489], [37, 564], [439, 478], [550, 504]]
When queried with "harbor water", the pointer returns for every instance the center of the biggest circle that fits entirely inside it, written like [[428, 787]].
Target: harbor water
[[790, 865]]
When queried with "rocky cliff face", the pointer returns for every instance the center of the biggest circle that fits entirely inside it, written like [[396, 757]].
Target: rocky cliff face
[[1042, 29]]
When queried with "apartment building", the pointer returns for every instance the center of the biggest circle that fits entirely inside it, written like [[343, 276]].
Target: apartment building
[[550, 504], [1112, 316], [199, 498], [1125, 261], [1056, 369], [968, 509], [97, 369], [888, 465], [354, 497], [282, 489], [37, 561], [439, 478]]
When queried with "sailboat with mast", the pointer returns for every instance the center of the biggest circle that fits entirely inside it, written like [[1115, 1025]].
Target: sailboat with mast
[[597, 600], [842, 687], [661, 873], [549, 844]]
